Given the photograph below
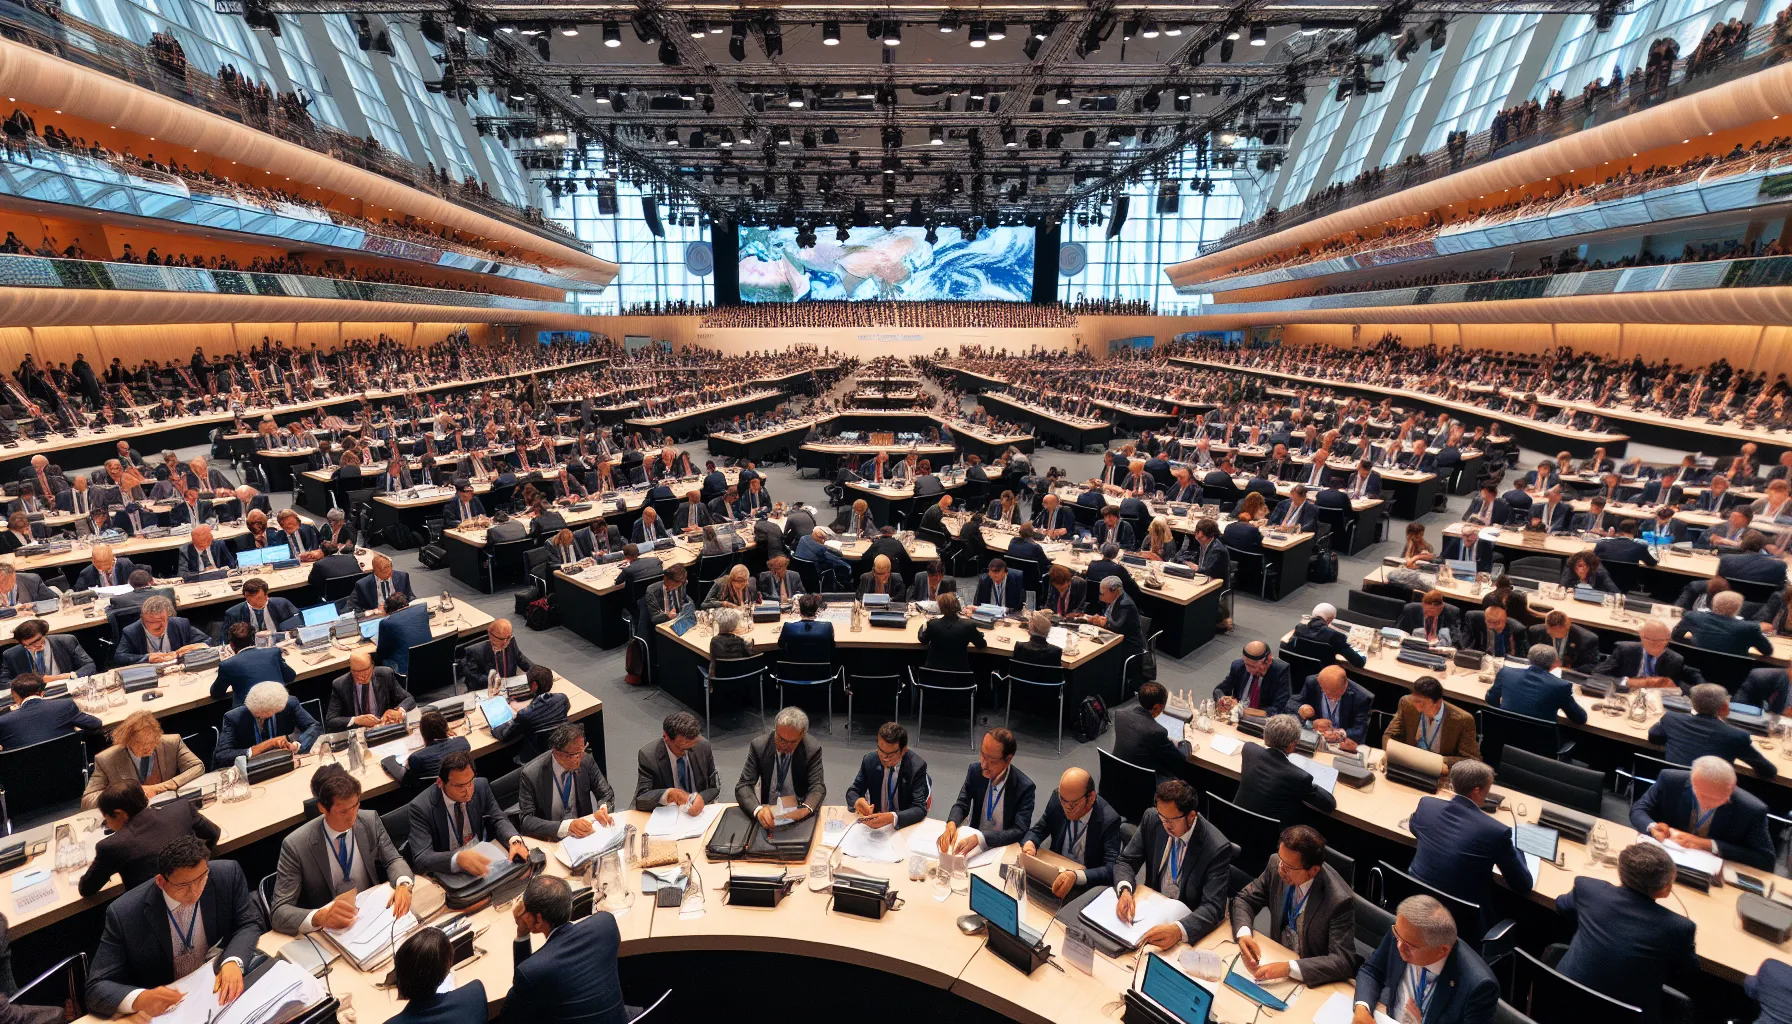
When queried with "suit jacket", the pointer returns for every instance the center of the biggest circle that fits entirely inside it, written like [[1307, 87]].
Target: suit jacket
[[240, 731], [792, 586], [1101, 841], [718, 594], [1205, 877], [1318, 638], [1069, 601], [571, 979], [1493, 513], [1625, 943], [1753, 566], [182, 513], [432, 842], [1459, 846], [1275, 787], [1326, 923], [1014, 591], [90, 575], [1307, 518], [399, 632], [1122, 534], [131, 852], [388, 693], [808, 640], [1764, 688], [1721, 633], [1412, 619], [949, 641], [302, 881], [137, 945], [1554, 519], [912, 787], [451, 511], [1771, 987], [1467, 992], [544, 711], [133, 643], [1477, 636], [1579, 649], [1353, 706], [1738, 829], [1686, 738], [759, 774], [1455, 738], [1139, 738], [535, 795], [1626, 660], [479, 660], [659, 608], [279, 610], [467, 1004], [654, 773], [1272, 696], [241, 671], [1017, 806], [366, 596], [1536, 693], [173, 763], [688, 516], [65, 650], [39, 719]]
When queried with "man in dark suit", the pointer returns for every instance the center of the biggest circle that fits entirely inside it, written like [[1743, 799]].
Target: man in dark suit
[[464, 506], [678, 768], [1722, 629], [1176, 835], [300, 537], [261, 610], [1553, 512], [1316, 637], [499, 652], [1686, 738], [1257, 681], [247, 666], [1334, 706], [1431, 618], [1766, 688], [1295, 511], [34, 719], [203, 553], [1053, 519], [452, 815], [1306, 898], [542, 709], [1141, 740], [138, 832], [52, 657], [366, 696], [1081, 826], [783, 772], [1577, 647], [1000, 587], [1647, 662], [1626, 944], [1750, 563], [105, 570], [778, 582], [371, 591], [996, 800], [191, 511], [164, 929], [1423, 972], [562, 787], [1771, 988], [1100, 569], [333, 563], [690, 516], [1492, 632], [665, 599], [649, 528], [1111, 529], [1702, 809], [807, 639], [158, 635], [882, 579], [1535, 691], [269, 719], [572, 977], [891, 787], [21, 588], [1460, 844], [1624, 547], [1487, 509], [1273, 786]]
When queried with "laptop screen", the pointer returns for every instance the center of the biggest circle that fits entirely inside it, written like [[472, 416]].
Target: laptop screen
[[251, 557], [497, 711], [320, 615], [1176, 992], [370, 629], [994, 906]]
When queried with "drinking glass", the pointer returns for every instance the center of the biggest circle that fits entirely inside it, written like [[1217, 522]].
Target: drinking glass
[[941, 880]]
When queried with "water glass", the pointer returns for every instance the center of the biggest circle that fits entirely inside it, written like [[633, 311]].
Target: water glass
[[961, 873], [941, 881]]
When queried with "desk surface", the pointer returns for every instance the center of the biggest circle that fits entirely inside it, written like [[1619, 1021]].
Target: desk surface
[[1174, 588], [1702, 564], [601, 579]]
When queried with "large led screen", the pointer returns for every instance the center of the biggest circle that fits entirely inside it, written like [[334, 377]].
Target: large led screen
[[996, 264]]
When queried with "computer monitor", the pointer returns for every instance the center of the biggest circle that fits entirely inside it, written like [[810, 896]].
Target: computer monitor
[[497, 712], [314, 634], [251, 557], [320, 615], [995, 906], [1180, 995], [370, 629]]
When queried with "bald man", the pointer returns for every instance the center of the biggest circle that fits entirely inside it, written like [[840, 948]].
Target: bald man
[[105, 570], [203, 553], [366, 696], [1079, 825], [372, 592], [1333, 706], [881, 580]]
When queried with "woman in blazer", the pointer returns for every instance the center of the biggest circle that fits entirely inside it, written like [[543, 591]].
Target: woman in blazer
[[950, 637], [1583, 570], [140, 736]]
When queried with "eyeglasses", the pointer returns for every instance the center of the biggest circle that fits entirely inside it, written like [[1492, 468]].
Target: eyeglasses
[[1179, 817], [189, 886]]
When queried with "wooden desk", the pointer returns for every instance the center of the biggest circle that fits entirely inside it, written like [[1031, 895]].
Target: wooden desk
[[695, 417], [1674, 569], [891, 498], [1049, 424]]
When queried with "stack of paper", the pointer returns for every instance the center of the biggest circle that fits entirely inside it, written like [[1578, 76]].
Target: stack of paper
[[574, 851], [1172, 725], [1324, 775], [1150, 909], [282, 991], [1702, 861], [874, 844], [199, 1003], [669, 821], [375, 930]]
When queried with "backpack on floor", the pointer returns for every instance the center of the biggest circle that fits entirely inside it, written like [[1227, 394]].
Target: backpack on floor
[[541, 614], [433, 556], [1324, 567], [1091, 719]]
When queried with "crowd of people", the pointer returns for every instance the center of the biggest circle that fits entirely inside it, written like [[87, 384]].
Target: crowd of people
[[918, 313]]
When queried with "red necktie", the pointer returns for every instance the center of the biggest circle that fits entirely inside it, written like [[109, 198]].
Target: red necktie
[[1256, 687]]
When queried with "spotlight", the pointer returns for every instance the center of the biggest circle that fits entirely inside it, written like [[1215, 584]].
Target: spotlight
[[892, 33], [936, 136], [612, 34], [1259, 34], [672, 137], [948, 23], [830, 33], [979, 34], [1114, 137], [1063, 95], [795, 99], [1151, 31], [1232, 34], [727, 140], [1172, 30], [830, 137], [1009, 138], [698, 28], [569, 30], [978, 92], [997, 31]]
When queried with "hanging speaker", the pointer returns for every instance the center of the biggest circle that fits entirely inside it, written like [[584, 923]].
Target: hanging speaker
[[1169, 197], [1072, 259], [1121, 202], [606, 197], [650, 215]]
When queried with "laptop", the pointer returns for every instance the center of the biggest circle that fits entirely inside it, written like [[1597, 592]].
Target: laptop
[[370, 630], [1001, 910], [1179, 995], [497, 712], [1042, 870], [320, 615]]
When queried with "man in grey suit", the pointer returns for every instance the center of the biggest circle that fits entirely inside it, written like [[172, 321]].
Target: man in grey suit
[[343, 850], [562, 786], [778, 583], [678, 768], [783, 771], [1298, 883], [18, 588], [1140, 739], [666, 600]]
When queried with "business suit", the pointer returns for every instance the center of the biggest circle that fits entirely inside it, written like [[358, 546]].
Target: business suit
[[1466, 992], [544, 711], [304, 882], [571, 979], [1628, 659], [1625, 943], [1771, 987], [131, 852], [38, 719], [1204, 879], [1013, 592], [90, 574], [1765, 688], [1306, 517], [1535, 693], [912, 791], [1101, 839], [134, 643], [1555, 517], [1723, 634], [1459, 846], [1316, 637], [1579, 650], [807, 640], [1121, 534], [948, 641], [171, 761], [785, 590], [184, 514], [1413, 620], [1016, 799], [1140, 739], [1488, 513], [1272, 692], [538, 789], [1326, 922], [655, 773], [453, 512], [276, 611], [1478, 636], [721, 594], [480, 660], [1072, 599], [1275, 787], [1752, 566], [242, 731], [218, 555], [1738, 829], [467, 1004], [399, 632], [388, 693], [1352, 713], [433, 839], [136, 949], [1686, 738], [62, 653], [241, 671], [1453, 735], [758, 776], [368, 592]]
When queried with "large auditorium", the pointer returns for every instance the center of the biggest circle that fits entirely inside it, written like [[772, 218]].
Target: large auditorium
[[1326, 463]]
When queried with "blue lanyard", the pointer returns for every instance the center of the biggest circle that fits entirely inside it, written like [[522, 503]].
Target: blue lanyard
[[1331, 709], [1418, 986], [1702, 820], [186, 935], [1290, 909], [564, 785], [345, 857], [890, 800], [995, 797], [1437, 726], [783, 772]]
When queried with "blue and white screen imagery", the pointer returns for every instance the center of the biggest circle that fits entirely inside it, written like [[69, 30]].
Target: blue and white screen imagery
[[994, 265]]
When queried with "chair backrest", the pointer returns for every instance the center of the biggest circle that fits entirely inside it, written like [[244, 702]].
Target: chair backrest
[[506, 787], [43, 780], [1506, 1013], [62, 986], [1645, 769], [735, 669], [1552, 997], [1372, 924], [264, 894], [637, 589], [432, 665], [1624, 574], [1131, 789], [1029, 569], [122, 619], [943, 678], [712, 567], [398, 824], [1536, 567], [1379, 721], [806, 569], [804, 671], [1393, 885], [1342, 863], [1035, 674], [1752, 590], [1300, 665], [1553, 780], [1256, 834], [337, 588], [1728, 670], [1379, 605], [1500, 727]]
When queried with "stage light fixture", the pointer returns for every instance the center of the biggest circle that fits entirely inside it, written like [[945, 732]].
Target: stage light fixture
[[830, 33], [979, 35], [698, 28], [612, 34], [1259, 34], [948, 23], [997, 31], [1172, 29], [1063, 95], [1151, 31], [936, 136], [795, 98], [892, 33], [569, 30]]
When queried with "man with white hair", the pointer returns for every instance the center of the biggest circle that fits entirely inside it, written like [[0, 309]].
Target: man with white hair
[[1702, 809], [1423, 974], [270, 719], [1119, 615], [783, 775], [158, 636], [1722, 629], [1647, 663], [1535, 690], [1459, 844], [1316, 637], [18, 588]]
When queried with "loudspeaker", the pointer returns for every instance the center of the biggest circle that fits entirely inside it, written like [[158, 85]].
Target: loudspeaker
[[1121, 202], [650, 215], [1169, 197], [606, 198]]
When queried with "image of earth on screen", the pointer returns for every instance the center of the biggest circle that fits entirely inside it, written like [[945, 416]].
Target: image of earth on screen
[[874, 263]]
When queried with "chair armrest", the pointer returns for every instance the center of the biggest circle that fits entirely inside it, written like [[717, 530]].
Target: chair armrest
[[1500, 941]]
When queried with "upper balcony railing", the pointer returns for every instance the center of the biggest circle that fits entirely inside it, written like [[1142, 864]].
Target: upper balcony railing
[[48, 28], [1590, 109]]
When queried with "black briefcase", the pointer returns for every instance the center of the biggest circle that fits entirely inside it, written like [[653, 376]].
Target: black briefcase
[[433, 556]]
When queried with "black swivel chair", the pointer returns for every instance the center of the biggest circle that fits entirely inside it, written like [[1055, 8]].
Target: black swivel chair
[[1131, 789], [1550, 997]]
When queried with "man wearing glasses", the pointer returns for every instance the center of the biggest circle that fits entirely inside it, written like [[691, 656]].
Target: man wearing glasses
[[562, 789], [166, 928], [995, 805], [1081, 826], [1177, 853], [1311, 912], [892, 786]]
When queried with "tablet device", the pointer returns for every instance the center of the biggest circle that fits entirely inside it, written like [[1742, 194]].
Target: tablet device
[[497, 712], [1254, 992], [1180, 995], [320, 615]]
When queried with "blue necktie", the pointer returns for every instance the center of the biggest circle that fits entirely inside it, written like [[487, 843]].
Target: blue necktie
[[684, 775]]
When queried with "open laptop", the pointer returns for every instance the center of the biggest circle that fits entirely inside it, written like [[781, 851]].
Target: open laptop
[[1179, 995], [1001, 910], [320, 615], [1042, 870]]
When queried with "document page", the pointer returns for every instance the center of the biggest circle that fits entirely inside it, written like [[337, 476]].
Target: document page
[[669, 821], [575, 850], [200, 1004], [1150, 909]]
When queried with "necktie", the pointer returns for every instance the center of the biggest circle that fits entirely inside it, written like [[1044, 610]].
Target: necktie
[[345, 858], [1172, 865], [264, 620], [1256, 689], [42, 669], [81, 502], [465, 830], [1648, 665], [144, 767], [1073, 834], [363, 699], [684, 774], [205, 558]]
